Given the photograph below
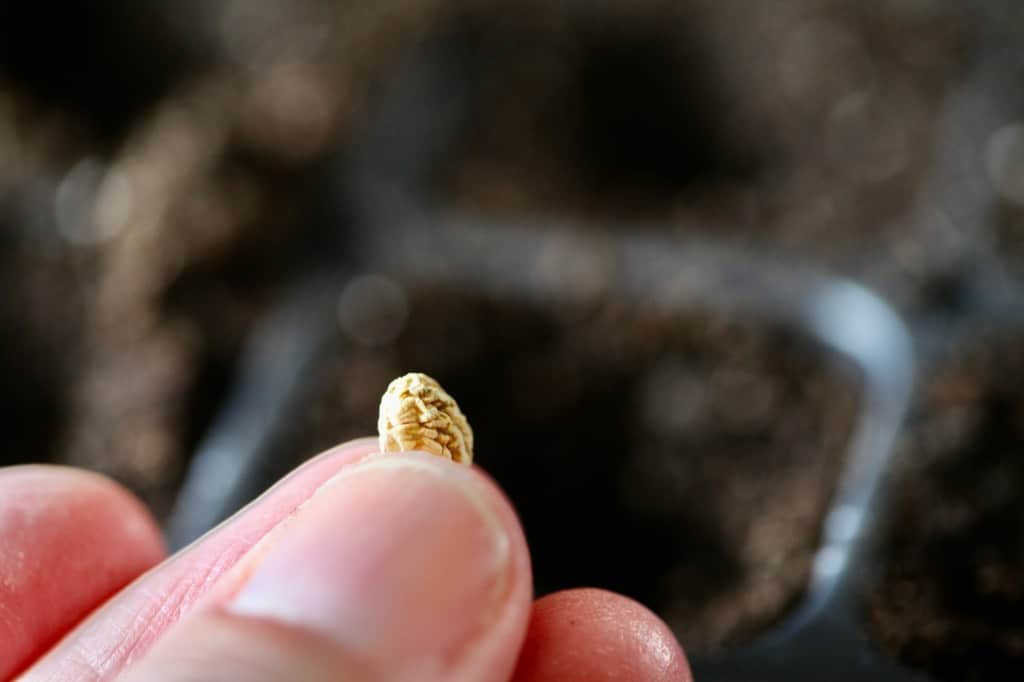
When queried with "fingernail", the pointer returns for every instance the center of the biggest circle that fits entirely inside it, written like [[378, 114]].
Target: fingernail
[[399, 557]]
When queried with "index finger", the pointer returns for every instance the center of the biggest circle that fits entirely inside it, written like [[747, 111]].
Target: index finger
[[57, 526], [126, 626]]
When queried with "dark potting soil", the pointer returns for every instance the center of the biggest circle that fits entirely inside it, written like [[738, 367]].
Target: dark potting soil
[[951, 599], [686, 462]]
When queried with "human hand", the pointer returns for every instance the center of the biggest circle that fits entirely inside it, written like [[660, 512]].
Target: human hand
[[396, 567]]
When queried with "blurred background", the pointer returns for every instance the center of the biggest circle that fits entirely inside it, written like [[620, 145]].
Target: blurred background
[[226, 226]]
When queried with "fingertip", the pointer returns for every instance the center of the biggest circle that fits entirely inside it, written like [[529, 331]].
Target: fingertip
[[81, 505], [71, 538], [413, 524], [401, 566], [595, 635]]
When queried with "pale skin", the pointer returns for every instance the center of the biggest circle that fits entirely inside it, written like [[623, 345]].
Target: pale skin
[[351, 568]]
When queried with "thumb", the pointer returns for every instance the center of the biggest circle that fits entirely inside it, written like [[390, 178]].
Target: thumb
[[401, 567]]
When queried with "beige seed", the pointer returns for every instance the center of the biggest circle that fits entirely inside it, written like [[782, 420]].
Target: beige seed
[[417, 414]]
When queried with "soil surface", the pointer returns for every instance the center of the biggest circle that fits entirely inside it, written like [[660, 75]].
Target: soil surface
[[686, 462], [952, 596]]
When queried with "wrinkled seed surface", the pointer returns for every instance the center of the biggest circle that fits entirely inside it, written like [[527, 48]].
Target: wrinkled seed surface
[[417, 414]]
